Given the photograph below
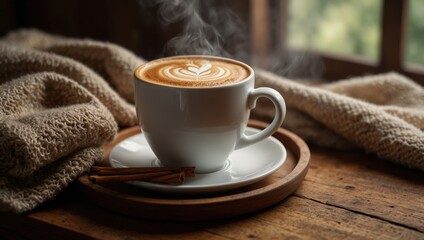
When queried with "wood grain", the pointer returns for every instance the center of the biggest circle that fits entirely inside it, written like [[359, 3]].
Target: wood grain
[[294, 218], [367, 185], [322, 208], [146, 204], [298, 218]]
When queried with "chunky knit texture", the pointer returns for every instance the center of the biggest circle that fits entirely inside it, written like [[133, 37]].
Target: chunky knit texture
[[61, 99], [383, 114]]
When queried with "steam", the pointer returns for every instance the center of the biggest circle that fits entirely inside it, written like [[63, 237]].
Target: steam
[[209, 29], [292, 64]]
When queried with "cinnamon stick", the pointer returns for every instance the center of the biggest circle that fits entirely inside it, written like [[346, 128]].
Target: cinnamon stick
[[174, 178], [189, 171], [137, 170], [126, 177], [166, 175]]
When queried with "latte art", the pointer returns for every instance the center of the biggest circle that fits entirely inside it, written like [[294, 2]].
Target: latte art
[[193, 71]]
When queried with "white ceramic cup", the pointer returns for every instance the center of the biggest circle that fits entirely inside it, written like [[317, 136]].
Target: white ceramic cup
[[201, 126]]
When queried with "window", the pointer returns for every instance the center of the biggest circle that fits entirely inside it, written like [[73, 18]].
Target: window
[[415, 37], [352, 37], [348, 27]]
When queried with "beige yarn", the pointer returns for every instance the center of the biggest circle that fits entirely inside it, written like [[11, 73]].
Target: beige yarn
[[61, 99], [98, 67], [383, 114], [57, 109]]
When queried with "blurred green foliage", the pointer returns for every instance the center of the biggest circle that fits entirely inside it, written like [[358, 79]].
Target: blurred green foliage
[[349, 27], [415, 40]]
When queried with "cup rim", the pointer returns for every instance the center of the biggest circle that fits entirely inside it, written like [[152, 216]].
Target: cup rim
[[250, 76]]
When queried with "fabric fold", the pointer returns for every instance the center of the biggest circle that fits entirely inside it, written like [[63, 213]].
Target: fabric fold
[[51, 131], [62, 99], [381, 129], [16, 62], [25, 193]]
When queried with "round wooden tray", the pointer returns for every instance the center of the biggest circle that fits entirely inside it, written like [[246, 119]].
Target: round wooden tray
[[139, 202]]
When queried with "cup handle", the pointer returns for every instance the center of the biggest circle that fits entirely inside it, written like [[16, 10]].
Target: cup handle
[[280, 113]]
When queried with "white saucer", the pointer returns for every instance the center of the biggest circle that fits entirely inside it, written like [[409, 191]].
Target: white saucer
[[245, 166]]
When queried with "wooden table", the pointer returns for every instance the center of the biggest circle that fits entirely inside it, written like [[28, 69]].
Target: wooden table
[[346, 195]]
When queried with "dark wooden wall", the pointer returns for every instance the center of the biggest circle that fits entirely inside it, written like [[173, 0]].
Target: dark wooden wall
[[124, 22], [138, 27]]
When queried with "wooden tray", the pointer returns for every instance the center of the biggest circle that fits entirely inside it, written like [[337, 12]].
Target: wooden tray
[[139, 202]]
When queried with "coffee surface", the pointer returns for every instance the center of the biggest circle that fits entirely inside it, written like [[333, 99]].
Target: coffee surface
[[193, 71]]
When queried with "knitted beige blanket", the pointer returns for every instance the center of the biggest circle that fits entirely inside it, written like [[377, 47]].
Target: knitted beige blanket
[[61, 99]]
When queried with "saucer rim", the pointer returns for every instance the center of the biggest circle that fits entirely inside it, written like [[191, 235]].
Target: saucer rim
[[209, 188], [152, 205]]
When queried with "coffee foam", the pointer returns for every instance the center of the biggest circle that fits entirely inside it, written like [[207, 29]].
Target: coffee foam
[[193, 71]]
